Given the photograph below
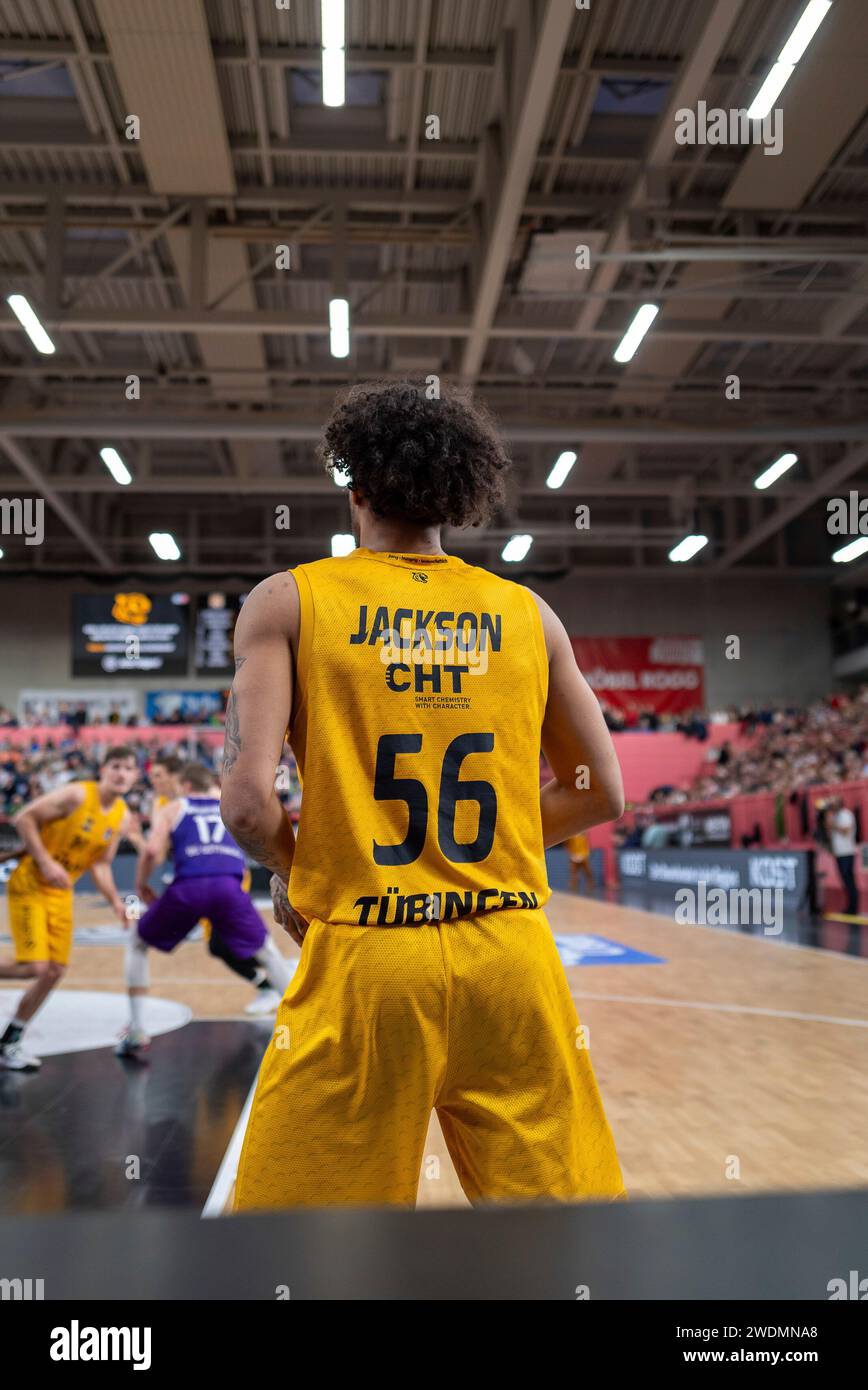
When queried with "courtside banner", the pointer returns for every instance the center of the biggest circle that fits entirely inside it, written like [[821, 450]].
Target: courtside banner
[[787, 872], [665, 675]]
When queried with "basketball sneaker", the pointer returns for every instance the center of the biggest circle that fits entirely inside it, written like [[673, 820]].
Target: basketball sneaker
[[16, 1058], [267, 1001], [132, 1044]]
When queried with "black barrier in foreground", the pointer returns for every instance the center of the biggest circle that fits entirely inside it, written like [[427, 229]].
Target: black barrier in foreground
[[777, 1247]]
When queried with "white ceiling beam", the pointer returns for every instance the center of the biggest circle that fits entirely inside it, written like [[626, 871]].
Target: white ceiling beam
[[703, 48], [823, 101], [274, 424], [257, 88], [534, 61], [317, 486], [90, 319], [165, 70]]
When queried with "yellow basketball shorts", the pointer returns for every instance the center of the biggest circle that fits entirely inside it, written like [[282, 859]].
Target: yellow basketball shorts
[[41, 924], [473, 1018]]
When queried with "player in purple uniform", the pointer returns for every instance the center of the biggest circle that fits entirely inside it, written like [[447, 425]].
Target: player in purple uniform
[[209, 867]]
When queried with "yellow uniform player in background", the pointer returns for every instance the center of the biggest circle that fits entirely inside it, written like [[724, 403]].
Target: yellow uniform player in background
[[66, 832], [578, 849], [163, 776]]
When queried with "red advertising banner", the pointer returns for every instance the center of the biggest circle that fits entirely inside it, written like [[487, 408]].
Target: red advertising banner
[[663, 674]]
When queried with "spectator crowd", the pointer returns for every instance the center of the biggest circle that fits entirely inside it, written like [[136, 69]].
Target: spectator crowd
[[27, 772], [789, 750]]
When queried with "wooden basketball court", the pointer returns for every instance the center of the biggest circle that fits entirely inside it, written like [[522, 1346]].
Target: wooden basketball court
[[737, 1065]]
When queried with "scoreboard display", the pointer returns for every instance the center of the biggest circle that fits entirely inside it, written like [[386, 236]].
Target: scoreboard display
[[130, 634], [216, 615]]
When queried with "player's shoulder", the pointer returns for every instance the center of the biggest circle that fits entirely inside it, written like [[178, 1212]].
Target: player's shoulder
[[276, 589], [318, 575], [327, 564], [545, 610], [554, 631], [68, 799], [510, 588], [272, 603]]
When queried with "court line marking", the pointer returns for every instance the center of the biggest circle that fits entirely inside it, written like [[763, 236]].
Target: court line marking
[[723, 1008], [226, 1173], [168, 980]]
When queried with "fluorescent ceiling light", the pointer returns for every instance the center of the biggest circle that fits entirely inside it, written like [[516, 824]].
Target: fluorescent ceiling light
[[779, 76], [516, 548], [642, 321], [165, 545], [116, 466], [782, 70], [339, 325], [808, 23], [851, 551], [561, 470], [333, 24], [334, 77], [775, 470], [343, 545], [26, 316], [686, 549]]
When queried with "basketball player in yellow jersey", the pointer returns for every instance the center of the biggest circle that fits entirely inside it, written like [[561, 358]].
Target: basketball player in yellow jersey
[[67, 831], [418, 691], [163, 776], [578, 849]]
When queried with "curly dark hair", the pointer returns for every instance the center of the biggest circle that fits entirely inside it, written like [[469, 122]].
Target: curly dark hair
[[429, 462]]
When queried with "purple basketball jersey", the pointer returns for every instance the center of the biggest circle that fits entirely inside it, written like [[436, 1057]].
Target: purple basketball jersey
[[201, 845]]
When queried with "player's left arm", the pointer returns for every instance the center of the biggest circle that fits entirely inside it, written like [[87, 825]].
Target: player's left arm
[[132, 831], [154, 850], [101, 873], [257, 717]]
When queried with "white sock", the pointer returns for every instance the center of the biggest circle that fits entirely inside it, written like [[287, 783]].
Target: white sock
[[136, 1001], [276, 968]]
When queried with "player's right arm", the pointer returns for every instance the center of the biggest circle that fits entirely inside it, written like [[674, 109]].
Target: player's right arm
[[52, 806], [577, 745], [155, 849]]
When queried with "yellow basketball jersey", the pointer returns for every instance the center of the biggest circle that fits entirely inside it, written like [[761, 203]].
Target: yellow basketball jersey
[[422, 684], [76, 841]]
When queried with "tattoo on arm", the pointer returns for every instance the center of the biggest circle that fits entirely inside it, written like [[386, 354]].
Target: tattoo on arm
[[257, 849], [232, 733]]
